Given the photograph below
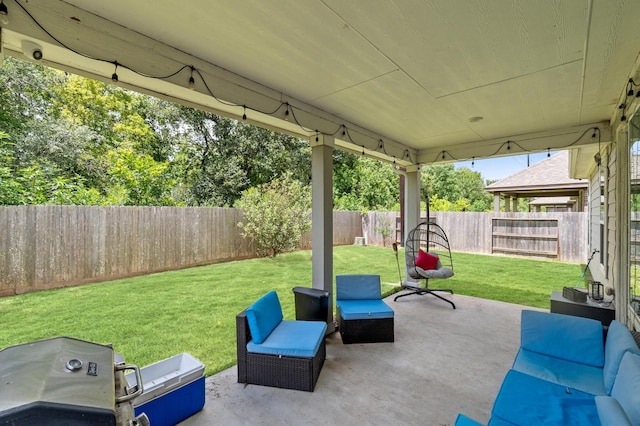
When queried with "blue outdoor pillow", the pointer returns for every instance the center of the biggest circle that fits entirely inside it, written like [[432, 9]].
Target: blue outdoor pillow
[[263, 316], [619, 340], [625, 388]]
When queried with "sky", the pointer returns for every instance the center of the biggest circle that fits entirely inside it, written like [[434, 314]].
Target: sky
[[500, 168]]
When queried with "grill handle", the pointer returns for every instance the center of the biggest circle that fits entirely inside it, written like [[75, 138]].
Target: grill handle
[[138, 386]]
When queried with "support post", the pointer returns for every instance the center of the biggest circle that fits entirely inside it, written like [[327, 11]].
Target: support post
[[412, 206], [322, 217]]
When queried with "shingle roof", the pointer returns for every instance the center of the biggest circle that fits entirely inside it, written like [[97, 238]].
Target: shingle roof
[[551, 173]]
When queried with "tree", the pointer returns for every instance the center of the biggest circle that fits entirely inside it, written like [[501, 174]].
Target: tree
[[276, 215], [363, 184], [462, 189]]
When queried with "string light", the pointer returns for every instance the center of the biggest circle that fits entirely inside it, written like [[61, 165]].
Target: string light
[[114, 76], [548, 152], [244, 114], [192, 82], [473, 161], [4, 13], [286, 112], [317, 137]]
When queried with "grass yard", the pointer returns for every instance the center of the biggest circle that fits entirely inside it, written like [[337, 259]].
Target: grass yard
[[153, 317]]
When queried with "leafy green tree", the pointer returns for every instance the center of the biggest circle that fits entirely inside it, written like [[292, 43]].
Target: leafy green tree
[[363, 184], [217, 158], [138, 180], [462, 188], [276, 215]]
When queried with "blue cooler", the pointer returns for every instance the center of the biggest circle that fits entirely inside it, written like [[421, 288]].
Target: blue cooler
[[173, 390]]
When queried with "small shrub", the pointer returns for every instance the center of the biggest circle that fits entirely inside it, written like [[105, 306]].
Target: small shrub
[[276, 215]]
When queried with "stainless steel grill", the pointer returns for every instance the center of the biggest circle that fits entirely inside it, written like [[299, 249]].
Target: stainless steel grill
[[66, 381]]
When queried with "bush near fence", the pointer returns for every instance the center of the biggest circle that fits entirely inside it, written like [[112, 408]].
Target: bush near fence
[[43, 247]]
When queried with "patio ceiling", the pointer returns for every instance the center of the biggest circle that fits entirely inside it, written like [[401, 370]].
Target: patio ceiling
[[415, 81]]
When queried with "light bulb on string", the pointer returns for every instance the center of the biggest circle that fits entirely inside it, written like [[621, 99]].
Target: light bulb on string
[[192, 82], [114, 76], [473, 161], [4, 13], [286, 112], [244, 112], [548, 152]]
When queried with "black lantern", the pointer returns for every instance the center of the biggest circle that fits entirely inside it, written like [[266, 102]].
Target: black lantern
[[597, 290]]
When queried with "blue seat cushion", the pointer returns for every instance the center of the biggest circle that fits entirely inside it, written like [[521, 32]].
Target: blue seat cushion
[[586, 378], [626, 388], [358, 287], [363, 309], [463, 420], [619, 341], [568, 337], [527, 400], [264, 316], [292, 338]]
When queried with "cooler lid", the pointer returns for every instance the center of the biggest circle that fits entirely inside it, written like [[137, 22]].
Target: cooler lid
[[61, 370]]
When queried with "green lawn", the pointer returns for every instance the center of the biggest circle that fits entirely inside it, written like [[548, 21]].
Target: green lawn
[[153, 317]]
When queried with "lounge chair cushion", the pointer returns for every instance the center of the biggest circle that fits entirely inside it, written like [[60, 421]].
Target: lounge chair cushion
[[263, 316], [619, 341], [292, 338], [363, 309], [426, 260], [525, 399], [626, 386], [358, 287], [567, 337]]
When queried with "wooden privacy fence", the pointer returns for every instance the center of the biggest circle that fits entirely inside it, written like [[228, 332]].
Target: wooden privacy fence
[[559, 236], [44, 247]]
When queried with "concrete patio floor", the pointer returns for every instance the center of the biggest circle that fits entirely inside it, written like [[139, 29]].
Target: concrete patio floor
[[443, 362]]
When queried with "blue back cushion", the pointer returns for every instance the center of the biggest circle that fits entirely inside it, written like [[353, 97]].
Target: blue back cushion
[[626, 388], [619, 340], [563, 336], [263, 316], [358, 287]]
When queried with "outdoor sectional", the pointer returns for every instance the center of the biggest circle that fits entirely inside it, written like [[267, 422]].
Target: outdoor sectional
[[277, 352], [564, 374]]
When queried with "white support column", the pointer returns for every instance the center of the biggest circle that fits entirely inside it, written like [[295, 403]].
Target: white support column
[[322, 217], [412, 205]]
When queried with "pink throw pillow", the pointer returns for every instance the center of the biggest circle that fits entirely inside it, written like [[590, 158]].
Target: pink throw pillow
[[426, 260]]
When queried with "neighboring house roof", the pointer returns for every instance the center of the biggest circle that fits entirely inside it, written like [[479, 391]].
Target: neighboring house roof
[[553, 201], [550, 175]]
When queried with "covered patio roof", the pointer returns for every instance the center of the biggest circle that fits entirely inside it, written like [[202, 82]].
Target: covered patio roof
[[408, 81]]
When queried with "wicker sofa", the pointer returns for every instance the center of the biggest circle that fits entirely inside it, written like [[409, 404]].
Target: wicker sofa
[[362, 315], [275, 352], [565, 374]]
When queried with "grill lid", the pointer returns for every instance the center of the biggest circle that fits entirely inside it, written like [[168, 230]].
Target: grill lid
[[61, 370]]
